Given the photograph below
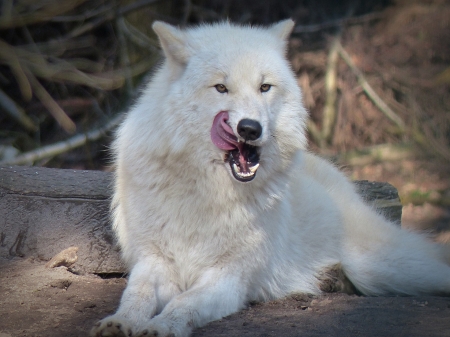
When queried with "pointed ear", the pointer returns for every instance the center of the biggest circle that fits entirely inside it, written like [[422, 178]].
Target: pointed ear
[[173, 42], [283, 29]]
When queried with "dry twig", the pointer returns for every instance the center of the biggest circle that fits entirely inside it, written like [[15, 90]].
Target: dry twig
[[108, 16], [8, 55], [376, 99], [336, 23], [64, 146], [47, 100], [58, 70], [139, 38], [329, 111], [16, 112], [48, 11]]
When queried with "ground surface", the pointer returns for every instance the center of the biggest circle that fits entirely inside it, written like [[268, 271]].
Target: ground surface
[[37, 301]]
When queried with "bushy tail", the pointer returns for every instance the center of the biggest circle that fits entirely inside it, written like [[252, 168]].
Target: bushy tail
[[380, 258]]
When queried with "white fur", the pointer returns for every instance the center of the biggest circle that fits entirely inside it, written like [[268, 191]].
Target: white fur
[[200, 244]]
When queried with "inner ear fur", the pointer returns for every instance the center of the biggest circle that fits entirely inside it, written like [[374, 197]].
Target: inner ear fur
[[173, 42], [283, 29]]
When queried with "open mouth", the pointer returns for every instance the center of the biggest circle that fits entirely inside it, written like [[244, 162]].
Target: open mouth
[[243, 161], [243, 158]]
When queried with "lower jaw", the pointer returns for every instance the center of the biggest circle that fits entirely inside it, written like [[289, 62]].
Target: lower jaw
[[233, 157], [242, 176]]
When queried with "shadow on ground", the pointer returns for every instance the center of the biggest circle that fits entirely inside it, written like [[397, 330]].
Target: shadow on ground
[[37, 301]]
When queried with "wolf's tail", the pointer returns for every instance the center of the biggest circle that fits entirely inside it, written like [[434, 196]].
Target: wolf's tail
[[380, 258]]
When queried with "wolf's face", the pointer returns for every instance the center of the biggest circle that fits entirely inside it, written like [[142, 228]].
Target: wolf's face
[[236, 87]]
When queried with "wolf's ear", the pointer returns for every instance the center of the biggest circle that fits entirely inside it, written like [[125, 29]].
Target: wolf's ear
[[283, 29], [173, 42]]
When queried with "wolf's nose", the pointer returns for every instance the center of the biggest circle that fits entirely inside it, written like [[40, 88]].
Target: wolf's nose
[[249, 129]]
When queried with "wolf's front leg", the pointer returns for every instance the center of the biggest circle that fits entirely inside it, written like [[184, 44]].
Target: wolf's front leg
[[147, 292], [216, 294]]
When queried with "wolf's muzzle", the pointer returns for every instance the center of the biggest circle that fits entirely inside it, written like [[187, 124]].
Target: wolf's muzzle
[[242, 157]]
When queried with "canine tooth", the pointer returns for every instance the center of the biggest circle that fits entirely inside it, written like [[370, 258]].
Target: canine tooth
[[254, 168]]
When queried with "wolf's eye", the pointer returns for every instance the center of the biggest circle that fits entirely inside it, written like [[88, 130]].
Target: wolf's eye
[[265, 87], [221, 88]]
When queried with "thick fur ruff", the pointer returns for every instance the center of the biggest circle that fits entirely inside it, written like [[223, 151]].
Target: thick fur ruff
[[199, 242]]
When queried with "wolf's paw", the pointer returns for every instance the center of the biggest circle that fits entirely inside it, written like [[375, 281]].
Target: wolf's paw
[[161, 328], [111, 327], [156, 332]]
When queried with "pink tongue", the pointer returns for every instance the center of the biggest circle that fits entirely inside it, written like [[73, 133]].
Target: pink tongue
[[223, 137], [221, 133]]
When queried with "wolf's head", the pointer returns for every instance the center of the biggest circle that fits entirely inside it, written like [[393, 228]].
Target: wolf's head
[[233, 97]]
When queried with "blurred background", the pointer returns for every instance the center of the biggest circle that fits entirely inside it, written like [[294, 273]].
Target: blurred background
[[375, 77]]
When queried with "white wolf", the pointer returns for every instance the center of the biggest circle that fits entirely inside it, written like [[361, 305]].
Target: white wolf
[[217, 201]]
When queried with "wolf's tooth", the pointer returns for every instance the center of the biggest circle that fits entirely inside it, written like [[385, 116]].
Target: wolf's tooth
[[245, 174], [254, 168]]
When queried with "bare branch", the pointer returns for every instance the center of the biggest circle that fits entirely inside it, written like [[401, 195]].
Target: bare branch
[[376, 99], [44, 14], [336, 23], [329, 111], [64, 146], [9, 57], [16, 112], [47, 100]]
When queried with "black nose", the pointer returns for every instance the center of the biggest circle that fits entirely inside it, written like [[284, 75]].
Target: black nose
[[249, 129]]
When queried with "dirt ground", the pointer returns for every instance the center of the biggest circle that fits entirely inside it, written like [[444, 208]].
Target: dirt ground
[[41, 302]]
